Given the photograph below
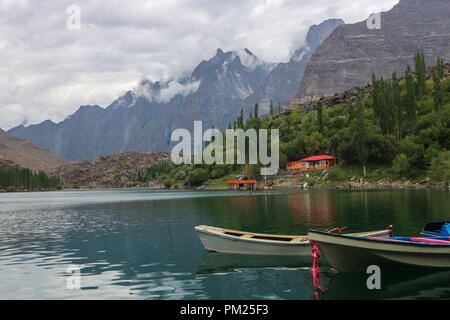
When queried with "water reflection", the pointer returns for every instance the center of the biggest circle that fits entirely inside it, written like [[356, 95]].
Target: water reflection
[[402, 283], [220, 263], [312, 208], [140, 244]]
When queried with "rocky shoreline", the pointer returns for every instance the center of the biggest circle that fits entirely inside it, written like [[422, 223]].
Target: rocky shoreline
[[288, 182]]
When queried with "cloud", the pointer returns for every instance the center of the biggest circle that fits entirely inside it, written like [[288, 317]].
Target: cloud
[[47, 71], [174, 88]]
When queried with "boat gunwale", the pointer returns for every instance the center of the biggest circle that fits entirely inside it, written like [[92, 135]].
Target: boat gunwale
[[364, 239]]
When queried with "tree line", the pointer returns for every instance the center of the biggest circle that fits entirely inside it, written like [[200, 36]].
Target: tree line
[[14, 178]]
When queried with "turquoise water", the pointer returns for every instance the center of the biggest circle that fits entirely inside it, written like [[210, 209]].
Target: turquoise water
[[140, 243]]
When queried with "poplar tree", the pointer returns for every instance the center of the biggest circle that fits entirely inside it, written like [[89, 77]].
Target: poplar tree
[[410, 100], [421, 74], [240, 123], [396, 103], [271, 108], [437, 91], [360, 132], [320, 115], [440, 67]]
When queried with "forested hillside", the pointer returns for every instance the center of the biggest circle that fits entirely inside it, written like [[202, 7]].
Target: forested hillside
[[402, 124], [397, 128]]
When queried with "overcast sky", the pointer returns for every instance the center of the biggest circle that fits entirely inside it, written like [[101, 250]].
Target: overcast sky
[[47, 70]]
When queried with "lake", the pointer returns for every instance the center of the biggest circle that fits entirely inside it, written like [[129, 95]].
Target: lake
[[140, 243]]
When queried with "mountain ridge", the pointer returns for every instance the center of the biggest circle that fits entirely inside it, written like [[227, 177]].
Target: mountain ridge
[[18, 152], [352, 52]]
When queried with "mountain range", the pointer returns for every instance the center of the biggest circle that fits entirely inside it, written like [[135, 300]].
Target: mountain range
[[143, 118], [335, 57]]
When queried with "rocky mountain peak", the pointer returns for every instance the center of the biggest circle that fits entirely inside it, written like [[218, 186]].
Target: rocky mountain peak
[[281, 85], [352, 53]]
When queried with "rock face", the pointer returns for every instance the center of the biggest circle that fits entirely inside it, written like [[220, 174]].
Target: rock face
[[17, 152], [352, 53], [281, 85], [143, 119], [114, 171]]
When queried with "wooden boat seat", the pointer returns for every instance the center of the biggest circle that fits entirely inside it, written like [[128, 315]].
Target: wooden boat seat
[[299, 239]]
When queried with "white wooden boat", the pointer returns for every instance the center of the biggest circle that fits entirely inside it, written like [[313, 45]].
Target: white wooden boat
[[354, 253], [241, 242]]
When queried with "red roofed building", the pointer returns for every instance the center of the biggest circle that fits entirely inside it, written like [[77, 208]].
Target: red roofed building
[[313, 163]]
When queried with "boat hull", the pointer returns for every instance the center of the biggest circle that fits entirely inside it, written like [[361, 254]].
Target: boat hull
[[229, 244], [354, 254], [215, 240]]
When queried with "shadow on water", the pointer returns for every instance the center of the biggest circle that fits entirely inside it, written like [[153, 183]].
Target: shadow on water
[[215, 262], [396, 283]]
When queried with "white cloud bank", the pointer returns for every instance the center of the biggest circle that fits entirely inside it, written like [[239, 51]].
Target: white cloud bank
[[48, 71]]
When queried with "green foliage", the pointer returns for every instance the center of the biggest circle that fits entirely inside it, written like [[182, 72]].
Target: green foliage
[[440, 167], [437, 91], [156, 170], [401, 165], [440, 67], [409, 116], [12, 178], [337, 174], [197, 177], [420, 74], [167, 181], [320, 115], [410, 103], [414, 151]]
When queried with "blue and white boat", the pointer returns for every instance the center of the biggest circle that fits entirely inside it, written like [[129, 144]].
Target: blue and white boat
[[437, 229]]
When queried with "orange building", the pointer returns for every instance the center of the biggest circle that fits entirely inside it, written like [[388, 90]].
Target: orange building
[[313, 163]]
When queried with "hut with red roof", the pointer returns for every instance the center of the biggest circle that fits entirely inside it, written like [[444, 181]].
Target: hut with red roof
[[313, 163]]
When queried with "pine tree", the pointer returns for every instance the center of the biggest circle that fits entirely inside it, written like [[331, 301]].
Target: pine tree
[[271, 108], [256, 110]]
